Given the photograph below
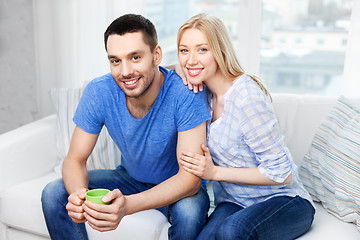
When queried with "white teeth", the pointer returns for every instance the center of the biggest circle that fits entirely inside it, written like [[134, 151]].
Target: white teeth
[[131, 82], [194, 71]]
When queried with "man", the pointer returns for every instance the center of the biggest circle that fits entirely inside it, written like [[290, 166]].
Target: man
[[152, 117]]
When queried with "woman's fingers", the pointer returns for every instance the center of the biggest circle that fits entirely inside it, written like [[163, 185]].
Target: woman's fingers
[[206, 150], [191, 168]]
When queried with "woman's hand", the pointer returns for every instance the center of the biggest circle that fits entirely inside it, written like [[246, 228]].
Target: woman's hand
[[199, 165], [179, 71]]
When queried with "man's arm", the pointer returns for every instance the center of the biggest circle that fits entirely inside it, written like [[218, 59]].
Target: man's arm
[[181, 185], [74, 171]]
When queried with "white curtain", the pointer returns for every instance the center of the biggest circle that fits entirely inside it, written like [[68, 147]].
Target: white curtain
[[249, 25], [351, 83], [69, 44]]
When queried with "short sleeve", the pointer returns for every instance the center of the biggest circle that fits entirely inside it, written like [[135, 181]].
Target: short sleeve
[[89, 113], [192, 109]]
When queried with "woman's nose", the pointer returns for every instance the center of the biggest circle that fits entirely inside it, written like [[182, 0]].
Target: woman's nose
[[192, 58]]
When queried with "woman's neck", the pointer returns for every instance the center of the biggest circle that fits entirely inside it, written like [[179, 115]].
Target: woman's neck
[[219, 85]]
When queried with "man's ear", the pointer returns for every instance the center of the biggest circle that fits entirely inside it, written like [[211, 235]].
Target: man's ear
[[157, 55]]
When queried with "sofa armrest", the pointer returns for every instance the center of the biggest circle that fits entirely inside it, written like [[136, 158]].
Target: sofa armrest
[[27, 152]]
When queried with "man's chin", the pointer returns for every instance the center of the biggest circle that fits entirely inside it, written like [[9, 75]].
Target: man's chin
[[131, 93]]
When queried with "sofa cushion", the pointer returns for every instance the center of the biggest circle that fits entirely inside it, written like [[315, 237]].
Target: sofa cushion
[[150, 224], [144, 225], [105, 155], [21, 205], [331, 169], [327, 226], [12, 233]]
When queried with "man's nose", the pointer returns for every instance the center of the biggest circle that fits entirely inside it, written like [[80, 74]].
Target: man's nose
[[126, 69]]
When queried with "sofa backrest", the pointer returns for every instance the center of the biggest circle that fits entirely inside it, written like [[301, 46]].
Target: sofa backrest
[[299, 117]]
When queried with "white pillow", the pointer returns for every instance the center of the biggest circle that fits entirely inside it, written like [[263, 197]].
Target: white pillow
[[105, 155], [331, 169]]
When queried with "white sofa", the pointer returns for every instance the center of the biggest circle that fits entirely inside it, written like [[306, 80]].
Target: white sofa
[[28, 157]]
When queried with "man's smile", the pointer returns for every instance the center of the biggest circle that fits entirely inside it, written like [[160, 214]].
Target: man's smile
[[132, 82]]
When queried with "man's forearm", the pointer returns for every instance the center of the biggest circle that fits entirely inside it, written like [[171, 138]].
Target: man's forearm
[[74, 175], [172, 190], [74, 170]]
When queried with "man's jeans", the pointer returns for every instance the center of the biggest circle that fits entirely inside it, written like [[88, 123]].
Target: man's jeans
[[187, 216], [279, 218]]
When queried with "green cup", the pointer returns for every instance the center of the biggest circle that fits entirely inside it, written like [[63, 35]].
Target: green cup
[[95, 195]]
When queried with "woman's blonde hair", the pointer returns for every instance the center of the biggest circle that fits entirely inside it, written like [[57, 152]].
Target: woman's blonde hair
[[219, 43]]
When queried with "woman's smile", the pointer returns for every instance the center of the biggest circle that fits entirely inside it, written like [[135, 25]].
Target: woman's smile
[[193, 72]]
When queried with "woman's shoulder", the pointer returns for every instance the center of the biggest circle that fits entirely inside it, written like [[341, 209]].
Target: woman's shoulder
[[245, 86]]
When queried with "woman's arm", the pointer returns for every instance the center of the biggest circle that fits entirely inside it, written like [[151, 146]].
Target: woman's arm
[[203, 167]]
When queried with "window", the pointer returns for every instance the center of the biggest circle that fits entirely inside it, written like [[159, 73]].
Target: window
[[298, 46], [313, 61], [320, 41], [169, 15]]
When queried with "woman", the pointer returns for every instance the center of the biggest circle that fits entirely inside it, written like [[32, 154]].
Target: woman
[[258, 194]]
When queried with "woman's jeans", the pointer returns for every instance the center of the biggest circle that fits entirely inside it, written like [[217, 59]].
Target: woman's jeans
[[187, 216], [279, 218]]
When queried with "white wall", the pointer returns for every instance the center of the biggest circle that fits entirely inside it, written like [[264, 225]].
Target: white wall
[[50, 43], [18, 88]]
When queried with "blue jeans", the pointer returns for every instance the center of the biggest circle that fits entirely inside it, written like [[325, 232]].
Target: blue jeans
[[187, 216], [277, 218]]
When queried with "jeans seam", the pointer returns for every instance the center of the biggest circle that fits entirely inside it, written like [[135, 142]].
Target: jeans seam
[[79, 231], [170, 221], [252, 230]]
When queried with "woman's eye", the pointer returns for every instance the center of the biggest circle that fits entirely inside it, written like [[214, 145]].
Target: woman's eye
[[203, 49], [184, 51]]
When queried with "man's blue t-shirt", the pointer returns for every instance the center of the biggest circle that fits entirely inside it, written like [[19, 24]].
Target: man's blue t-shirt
[[148, 144]]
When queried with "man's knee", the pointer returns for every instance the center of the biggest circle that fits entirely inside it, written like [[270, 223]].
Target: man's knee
[[54, 192], [194, 206], [188, 217]]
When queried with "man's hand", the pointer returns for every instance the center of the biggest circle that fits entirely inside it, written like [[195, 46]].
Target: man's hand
[[106, 217], [74, 206]]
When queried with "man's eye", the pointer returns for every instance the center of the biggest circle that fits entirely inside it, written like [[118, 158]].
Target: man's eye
[[115, 61], [136, 58]]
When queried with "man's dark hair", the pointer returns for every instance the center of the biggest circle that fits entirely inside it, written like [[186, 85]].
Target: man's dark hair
[[130, 23]]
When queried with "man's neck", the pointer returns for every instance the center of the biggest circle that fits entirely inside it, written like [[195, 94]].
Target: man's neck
[[140, 106]]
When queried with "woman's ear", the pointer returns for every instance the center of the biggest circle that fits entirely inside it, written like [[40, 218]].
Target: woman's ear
[[157, 55]]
